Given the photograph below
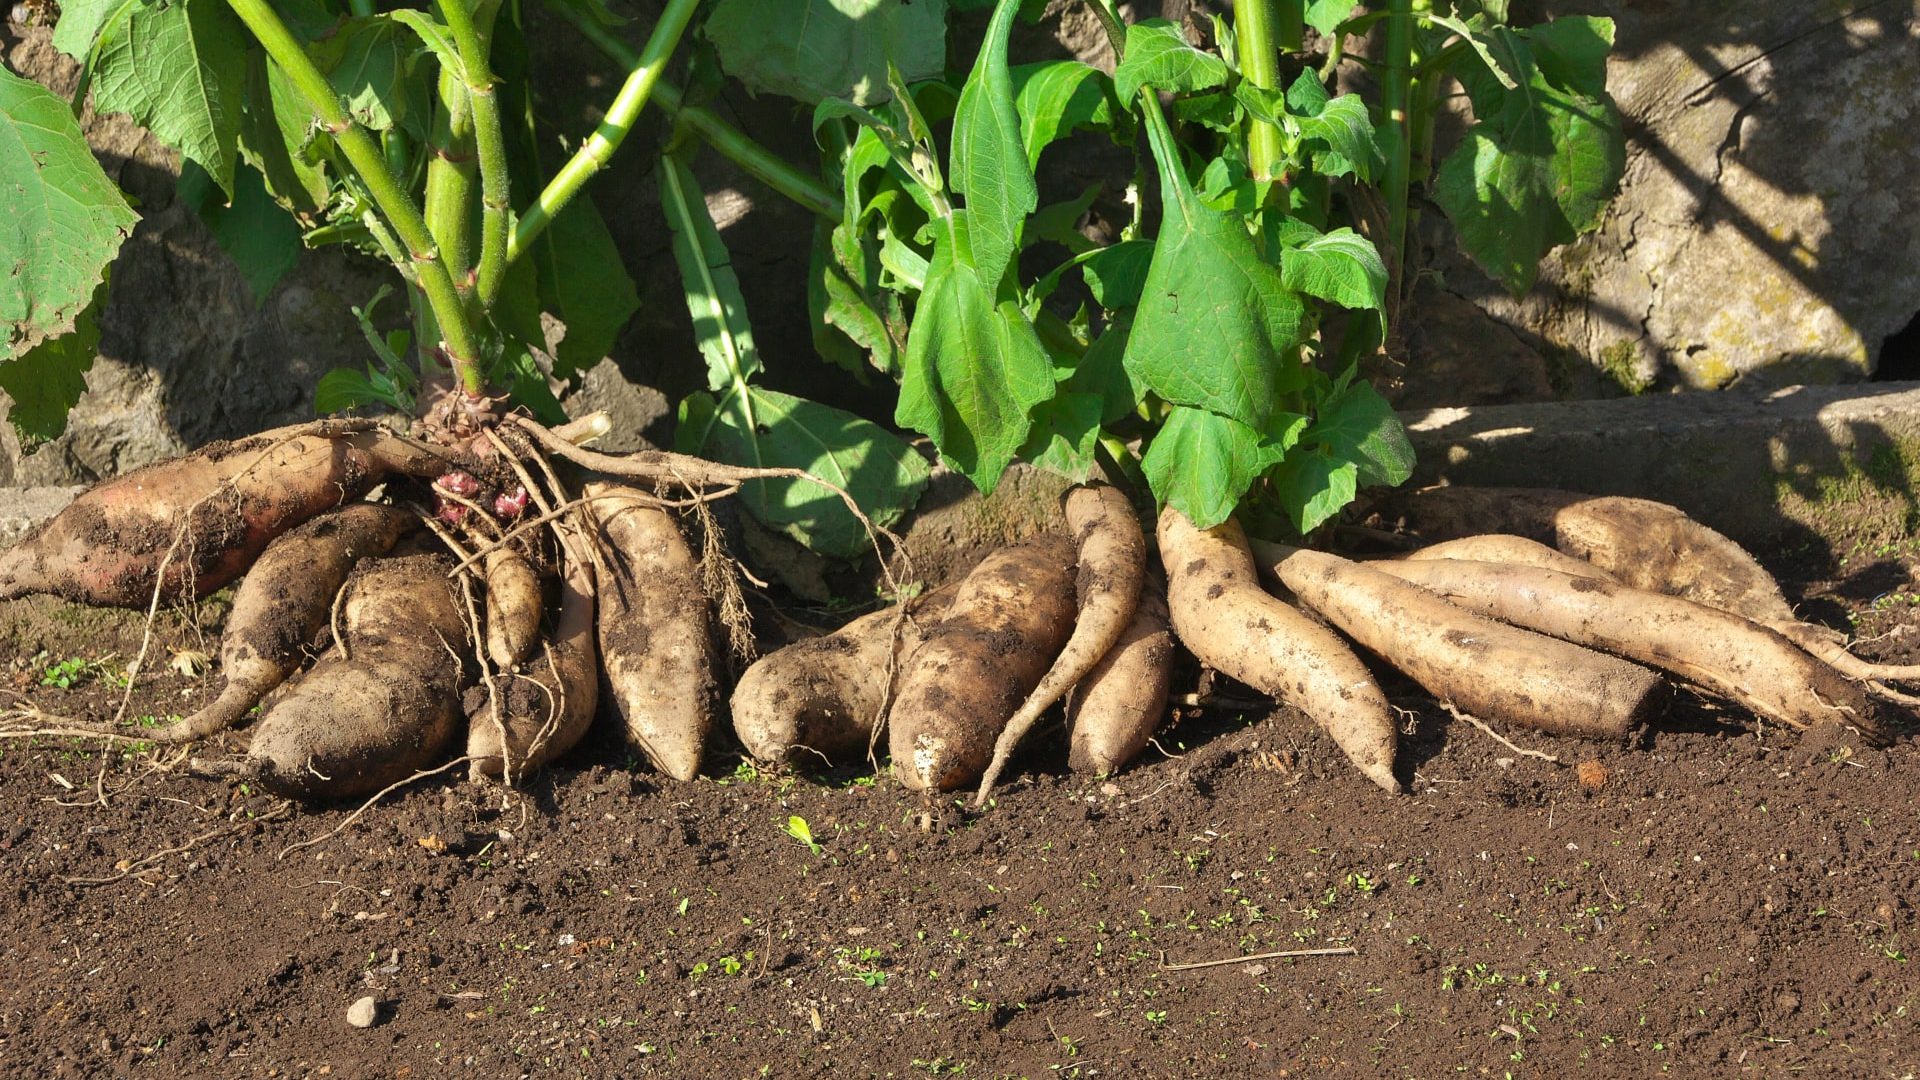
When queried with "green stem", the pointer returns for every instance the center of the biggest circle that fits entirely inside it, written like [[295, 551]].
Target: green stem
[[363, 154], [1255, 29], [450, 176], [1394, 96], [491, 144], [599, 147], [732, 143]]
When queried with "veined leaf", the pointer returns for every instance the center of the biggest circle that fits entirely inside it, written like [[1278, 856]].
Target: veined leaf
[[1065, 429], [817, 49], [1056, 97], [369, 61], [1495, 66], [1342, 267], [274, 137], [975, 368], [752, 426], [988, 164], [45, 381], [1538, 167], [1158, 56], [64, 220], [583, 283], [1202, 463], [706, 271], [179, 69], [1354, 423], [1325, 15], [257, 233], [1217, 327], [1312, 485]]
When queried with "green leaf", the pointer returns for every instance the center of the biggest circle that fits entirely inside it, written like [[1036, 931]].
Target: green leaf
[[817, 49], [988, 164], [275, 134], [855, 321], [1217, 328], [81, 22], [1325, 15], [756, 427], [1100, 371], [179, 69], [1056, 97], [370, 63], [584, 284], [341, 389], [1312, 486], [974, 368], [45, 381], [1158, 55], [257, 233], [1355, 424], [1572, 52], [1201, 463], [1538, 167], [64, 219], [1507, 77], [1117, 273], [436, 37], [1065, 429], [1342, 267], [706, 271], [1339, 128]]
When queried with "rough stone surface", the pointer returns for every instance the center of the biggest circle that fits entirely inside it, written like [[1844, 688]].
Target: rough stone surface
[[1759, 236]]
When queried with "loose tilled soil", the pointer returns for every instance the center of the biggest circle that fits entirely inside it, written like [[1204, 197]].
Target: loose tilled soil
[[1715, 899]]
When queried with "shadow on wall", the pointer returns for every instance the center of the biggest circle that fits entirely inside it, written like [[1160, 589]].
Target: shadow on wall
[[1759, 238]]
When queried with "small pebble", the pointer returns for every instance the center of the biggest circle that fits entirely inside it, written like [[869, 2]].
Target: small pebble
[[363, 1013]]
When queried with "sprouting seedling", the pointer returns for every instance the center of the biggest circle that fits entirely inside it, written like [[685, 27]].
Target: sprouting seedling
[[798, 828]]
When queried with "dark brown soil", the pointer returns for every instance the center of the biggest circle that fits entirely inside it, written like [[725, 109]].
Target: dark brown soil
[[1717, 898]]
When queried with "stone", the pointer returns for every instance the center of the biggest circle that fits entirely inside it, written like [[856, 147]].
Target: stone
[[363, 1013]]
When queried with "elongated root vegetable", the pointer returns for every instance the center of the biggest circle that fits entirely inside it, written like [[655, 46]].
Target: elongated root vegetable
[[1112, 560], [1507, 548], [824, 696], [283, 605], [196, 523], [1728, 655], [513, 607], [1491, 670], [530, 717], [1226, 620], [1008, 619], [1113, 712], [656, 631], [357, 723]]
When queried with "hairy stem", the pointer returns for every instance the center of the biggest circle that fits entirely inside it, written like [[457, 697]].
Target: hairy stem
[[732, 143], [363, 155], [490, 143], [1396, 84], [594, 154], [450, 176]]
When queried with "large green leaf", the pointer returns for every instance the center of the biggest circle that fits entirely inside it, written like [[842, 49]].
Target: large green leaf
[[1056, 97], [1354, 423], [1538, 166], [988, 164], [1201, 463], [257, 233], [179, 68], [46, 380], [275, 137], [975, 368], [1324, 15], [369, 61], [1342, 267], [1217, 327], [817, 49], [584, 284], [752, 426], [1312, 485], [1065, 428], [64, 219], [1158, 56], [706, 271]]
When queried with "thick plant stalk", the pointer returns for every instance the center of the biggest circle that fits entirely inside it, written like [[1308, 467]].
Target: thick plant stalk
[[1395, 93], [594, 154], [363, 154], [731, 143], [489, 143], [1255, 27], [450, 176]]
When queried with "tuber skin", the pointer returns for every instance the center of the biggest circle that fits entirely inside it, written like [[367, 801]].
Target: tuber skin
[[821, 699], [1743, 661], [1507, 548], [196, 523], [531, 717], [1111, 554], [1113, 712], [389, 706], [656, 632], [514, 601], [1007, 621], [283, 606], [1490, 670], [1226, 620]]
